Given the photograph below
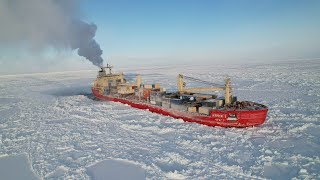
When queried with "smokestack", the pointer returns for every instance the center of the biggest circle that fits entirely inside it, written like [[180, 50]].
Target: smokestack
[[39, 24]]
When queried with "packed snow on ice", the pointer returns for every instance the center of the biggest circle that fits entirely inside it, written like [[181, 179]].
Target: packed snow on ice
[[52, 127]]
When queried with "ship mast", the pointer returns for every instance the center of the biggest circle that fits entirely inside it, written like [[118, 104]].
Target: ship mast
[[228, 93], [110, 68]]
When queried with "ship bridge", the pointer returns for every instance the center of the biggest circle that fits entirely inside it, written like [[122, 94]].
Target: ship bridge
[[108, 79]]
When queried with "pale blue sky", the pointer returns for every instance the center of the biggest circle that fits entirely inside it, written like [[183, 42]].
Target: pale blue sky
[[143, 32], [208, 30]]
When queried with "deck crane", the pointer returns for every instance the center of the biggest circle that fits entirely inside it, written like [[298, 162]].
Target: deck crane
[[216, 87]]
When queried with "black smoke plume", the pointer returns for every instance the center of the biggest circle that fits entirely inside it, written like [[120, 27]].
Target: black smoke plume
[[48, 23]]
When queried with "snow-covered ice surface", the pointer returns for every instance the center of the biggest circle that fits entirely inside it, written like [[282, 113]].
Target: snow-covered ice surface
[[16, 167], [115, 169], [53, 119]]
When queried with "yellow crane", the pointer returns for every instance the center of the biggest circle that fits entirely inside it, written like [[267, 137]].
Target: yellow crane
[[227, 87]]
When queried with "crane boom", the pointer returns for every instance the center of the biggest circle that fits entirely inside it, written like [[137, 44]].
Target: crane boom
[[227, 88], [191, 90]]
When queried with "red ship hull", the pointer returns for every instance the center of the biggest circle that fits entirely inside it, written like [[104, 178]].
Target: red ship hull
[[245, 118]]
